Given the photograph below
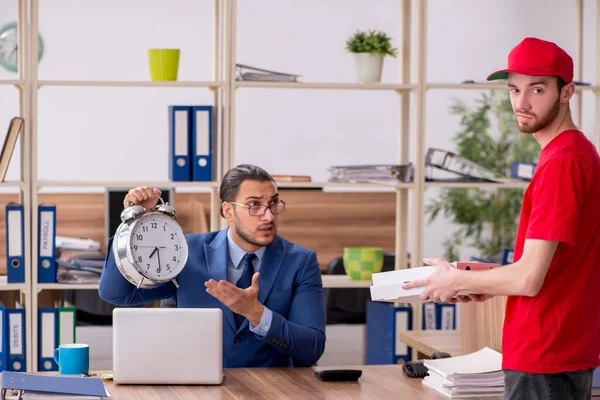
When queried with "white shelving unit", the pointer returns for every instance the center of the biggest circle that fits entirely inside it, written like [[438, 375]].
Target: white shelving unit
[[23, 185], [224, 88]]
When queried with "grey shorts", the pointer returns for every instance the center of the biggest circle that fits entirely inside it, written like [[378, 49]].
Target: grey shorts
[[576, 385]]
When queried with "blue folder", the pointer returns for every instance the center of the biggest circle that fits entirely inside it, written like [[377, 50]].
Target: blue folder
[[202, 143], [15, 243], [4, 338], [47, 338], [16, 345], [180, 162], [53, 384], [47, 243]]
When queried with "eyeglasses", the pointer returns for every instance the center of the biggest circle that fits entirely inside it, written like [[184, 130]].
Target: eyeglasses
[[276, 208]]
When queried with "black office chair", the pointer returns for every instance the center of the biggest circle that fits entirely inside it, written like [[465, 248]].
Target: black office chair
[[349, 306]]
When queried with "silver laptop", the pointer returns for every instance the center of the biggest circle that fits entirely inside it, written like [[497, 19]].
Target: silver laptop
[[168, 346]]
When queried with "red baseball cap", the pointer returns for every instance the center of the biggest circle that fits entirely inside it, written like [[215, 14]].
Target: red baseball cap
[[537, 57]]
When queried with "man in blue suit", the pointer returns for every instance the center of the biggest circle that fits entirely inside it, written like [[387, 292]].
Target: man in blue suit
[[270, 290]]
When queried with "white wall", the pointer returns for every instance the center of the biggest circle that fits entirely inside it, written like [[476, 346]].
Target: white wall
[[118, 133]]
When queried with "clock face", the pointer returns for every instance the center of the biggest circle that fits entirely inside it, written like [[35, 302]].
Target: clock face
[[158, 247], [9, 48]]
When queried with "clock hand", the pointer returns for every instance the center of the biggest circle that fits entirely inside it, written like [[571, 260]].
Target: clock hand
[[158, 256], [154, 247], [155, 250]]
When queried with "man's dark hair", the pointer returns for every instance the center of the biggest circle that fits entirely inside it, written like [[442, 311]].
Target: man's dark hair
[[233, 179], [560, 84]]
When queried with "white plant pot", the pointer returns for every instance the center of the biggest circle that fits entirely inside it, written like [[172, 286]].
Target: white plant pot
[[368, 67]]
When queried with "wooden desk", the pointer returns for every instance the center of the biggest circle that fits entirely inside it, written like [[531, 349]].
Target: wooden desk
[[428, 342], [377, 382]]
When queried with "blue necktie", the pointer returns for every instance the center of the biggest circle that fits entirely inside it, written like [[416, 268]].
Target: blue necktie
[[245, 281]]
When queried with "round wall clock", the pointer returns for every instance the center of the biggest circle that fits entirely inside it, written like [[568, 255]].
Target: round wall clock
[[9, 47]]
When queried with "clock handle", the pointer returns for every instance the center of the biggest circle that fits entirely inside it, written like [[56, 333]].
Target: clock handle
[[175, 282]]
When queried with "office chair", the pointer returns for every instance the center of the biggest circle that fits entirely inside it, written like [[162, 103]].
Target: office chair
[[349, 306]]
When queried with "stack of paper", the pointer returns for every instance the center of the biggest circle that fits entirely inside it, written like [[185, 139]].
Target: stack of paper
[[373, 173], [387, 286], [249, 73], [478, 374]]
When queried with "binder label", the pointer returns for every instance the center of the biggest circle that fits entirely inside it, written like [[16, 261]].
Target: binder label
[[15, 325], [447, 318], [429, 317], [46, 245], [181, 133], [525, 170], [202, 134], [48, 346], [14, 242]]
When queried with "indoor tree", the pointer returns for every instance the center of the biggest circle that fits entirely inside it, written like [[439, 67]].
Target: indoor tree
[[489, 136]]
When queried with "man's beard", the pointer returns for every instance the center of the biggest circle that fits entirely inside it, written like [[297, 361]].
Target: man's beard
[[525, 127], [246, 237]]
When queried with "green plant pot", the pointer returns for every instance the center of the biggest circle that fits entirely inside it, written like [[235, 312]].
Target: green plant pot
[[362, 262], [164, 64]]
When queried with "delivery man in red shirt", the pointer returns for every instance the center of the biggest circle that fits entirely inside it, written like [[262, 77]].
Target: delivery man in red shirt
[[551, 337]]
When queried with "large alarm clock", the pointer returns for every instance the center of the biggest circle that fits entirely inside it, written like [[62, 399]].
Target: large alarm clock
[[9, 48], [149, 246]]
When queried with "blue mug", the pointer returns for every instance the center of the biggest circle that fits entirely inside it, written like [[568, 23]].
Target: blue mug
[[73, 358]]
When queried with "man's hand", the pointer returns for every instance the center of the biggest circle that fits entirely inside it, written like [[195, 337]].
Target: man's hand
[[144, 196], [442, 283], [240, 301]]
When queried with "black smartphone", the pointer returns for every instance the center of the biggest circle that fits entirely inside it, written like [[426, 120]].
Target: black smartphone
[[339, 375]]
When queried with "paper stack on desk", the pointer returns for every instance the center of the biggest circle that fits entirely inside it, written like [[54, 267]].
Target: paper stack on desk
[[478, 374]]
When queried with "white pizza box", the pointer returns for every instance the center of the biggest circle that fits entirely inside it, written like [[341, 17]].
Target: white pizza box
[[387, 286]]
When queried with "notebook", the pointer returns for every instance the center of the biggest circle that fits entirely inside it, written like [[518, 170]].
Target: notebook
[[168, 346]]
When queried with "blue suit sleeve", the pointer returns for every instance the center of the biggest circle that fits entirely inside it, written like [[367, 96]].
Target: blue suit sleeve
[[115, 289], [302, 335]]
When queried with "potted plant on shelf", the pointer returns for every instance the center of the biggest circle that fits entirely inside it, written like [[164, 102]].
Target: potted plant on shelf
[[369, 48]]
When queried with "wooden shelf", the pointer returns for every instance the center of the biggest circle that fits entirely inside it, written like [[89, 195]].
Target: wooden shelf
[[343, 281], [17, 184], [431, 341], [325, 85], [329, 281], [5, 286], [207, 84], [66, 286], [343, 185], [490, 86], [478, 185], [125, 184], [11, 82], [467, 86]]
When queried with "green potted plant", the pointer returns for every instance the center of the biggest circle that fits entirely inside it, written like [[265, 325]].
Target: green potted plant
[[369, 48], [487, 219]]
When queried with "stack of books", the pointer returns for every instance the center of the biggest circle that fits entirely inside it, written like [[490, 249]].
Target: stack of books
[[478, 374], [249, 73], [458, 168], [372, 173]]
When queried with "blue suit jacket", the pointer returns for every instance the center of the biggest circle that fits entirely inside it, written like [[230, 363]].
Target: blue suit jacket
[[289, 285]]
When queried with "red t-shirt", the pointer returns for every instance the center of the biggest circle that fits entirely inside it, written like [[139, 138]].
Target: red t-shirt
[[558, 330]]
